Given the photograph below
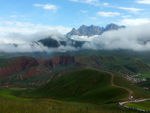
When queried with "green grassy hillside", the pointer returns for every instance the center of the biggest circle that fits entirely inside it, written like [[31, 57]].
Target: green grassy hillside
[[8, 105], [90, 86], [145, 83], [140, 105], [86, 85], [122, 64]]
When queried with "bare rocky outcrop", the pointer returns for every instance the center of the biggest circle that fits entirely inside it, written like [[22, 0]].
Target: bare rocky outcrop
[[60, 60], [34, 66], [17, 65]]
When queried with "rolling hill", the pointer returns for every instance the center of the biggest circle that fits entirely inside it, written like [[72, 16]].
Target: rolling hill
[[88, 85]]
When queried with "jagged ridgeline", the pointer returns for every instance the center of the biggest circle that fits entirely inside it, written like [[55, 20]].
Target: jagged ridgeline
[[93, 30], [82, 31]]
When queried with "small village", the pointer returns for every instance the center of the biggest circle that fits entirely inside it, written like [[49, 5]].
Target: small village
[[134, 78]]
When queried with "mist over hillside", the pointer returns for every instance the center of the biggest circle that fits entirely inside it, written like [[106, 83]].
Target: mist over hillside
[[111, 37]]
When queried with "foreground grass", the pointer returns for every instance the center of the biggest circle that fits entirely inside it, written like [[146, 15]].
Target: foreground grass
[[141, 105], [8, 93], [52, 106], [11, 104]]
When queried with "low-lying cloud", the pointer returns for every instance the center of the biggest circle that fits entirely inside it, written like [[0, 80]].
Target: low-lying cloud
[[134, 38], [20, 37], [25, 40]]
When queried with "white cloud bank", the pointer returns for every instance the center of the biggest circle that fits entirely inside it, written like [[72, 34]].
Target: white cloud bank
[[134, 38], [134, 22], [28, 28], [19, 36], [143, 2]]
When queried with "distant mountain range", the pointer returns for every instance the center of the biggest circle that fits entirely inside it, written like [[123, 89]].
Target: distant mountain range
[[68, 40], [93, 30], [81, 31]]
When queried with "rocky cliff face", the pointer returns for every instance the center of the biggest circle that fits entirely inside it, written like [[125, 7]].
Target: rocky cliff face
[[16, 65], [33, 67], [112, 26], [86, 31], [25, 62], [60, 60]]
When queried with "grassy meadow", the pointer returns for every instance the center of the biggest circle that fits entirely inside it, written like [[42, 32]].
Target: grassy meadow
[[141, 105], [12, 104]]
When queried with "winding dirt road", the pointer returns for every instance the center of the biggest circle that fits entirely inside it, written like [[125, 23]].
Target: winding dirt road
[[123, 104], [112, 82], [130, 94]]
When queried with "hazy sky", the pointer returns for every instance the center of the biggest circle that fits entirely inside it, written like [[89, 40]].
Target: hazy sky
[[73, 13]]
